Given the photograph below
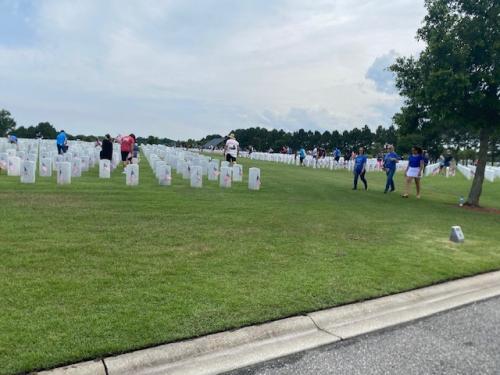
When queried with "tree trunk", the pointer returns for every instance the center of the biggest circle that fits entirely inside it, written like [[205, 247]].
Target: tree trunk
[[477, 183]]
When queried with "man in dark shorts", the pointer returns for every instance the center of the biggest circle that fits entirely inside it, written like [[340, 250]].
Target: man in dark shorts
[[231, 149], [127, 149]]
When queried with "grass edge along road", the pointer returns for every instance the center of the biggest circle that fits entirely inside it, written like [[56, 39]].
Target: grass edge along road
[[97, 268]]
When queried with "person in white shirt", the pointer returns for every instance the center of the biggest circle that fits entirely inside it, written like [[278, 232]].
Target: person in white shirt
[[231, 149]]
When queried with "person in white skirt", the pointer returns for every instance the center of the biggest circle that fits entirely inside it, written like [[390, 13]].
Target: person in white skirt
[[414, 170]]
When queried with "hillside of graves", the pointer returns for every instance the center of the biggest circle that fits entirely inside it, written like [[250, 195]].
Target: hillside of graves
[[94, 266]]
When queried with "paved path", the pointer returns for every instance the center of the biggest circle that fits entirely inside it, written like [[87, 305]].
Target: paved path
[[461, 341]]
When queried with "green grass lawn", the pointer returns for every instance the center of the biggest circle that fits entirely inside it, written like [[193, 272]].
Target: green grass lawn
[[98, 268]]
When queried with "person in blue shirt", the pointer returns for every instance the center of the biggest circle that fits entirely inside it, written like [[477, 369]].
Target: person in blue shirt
[[12, 139], [425, 155], [414, 170], [390, 161], [302, 155], [336, 154], [360, 168], [61, 141]]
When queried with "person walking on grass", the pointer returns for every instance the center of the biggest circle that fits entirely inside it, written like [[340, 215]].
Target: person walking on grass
[[414, 170], [302, 155], [360, 168], [336, 154], [390, 161], [231, 149]]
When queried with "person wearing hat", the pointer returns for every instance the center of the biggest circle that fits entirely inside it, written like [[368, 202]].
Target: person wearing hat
[[231, 149]]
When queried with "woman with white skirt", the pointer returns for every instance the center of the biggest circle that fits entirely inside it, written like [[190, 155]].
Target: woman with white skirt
[[414, 170]]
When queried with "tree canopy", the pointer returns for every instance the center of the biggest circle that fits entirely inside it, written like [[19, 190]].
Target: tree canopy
[[7, 123], [452, 89]]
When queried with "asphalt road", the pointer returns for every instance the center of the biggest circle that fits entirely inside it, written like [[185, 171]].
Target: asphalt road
[[461, 341]]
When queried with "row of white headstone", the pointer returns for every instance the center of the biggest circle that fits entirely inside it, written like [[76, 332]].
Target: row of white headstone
[[193, 167], [22, 160], [328, 162], [490, 173], [372, 165]]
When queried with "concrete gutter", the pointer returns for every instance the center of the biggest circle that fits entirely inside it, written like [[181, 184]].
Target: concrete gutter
[[226, 351]]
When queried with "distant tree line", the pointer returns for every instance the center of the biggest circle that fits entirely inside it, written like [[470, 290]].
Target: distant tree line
[[46, 130], [462, 146]]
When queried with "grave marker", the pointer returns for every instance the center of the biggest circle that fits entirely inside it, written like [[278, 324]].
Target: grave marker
[[164, 175], [254, 179], [14, 166], [45, 167], [196, 176], [28, 172], [456, 234], [132, 175], [213, 171], [237, 173], [225, 177], [64, 173], [104, 168], [186, 172], [76, 168]]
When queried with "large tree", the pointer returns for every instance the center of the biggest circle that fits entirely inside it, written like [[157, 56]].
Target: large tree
[[7, 123], [453, 86]]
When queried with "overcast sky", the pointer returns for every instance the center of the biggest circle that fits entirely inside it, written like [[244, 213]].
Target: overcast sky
[[186, 68]]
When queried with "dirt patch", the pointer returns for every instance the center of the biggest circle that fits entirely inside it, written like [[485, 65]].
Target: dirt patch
[[488, 210]]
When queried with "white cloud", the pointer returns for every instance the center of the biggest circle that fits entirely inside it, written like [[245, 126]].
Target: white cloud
[[188, 68]]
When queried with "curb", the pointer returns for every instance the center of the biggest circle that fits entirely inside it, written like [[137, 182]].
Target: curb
[[226, 351]]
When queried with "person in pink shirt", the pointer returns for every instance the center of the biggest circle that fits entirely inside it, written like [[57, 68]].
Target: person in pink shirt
[[127, 148]]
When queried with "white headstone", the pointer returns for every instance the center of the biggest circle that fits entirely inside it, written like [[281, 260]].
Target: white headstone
[[76, 168], [28, 169], [85, 163], [57, 159], [158, 167], [237, 173], [456, 234], [186, 172], [32, 157], [45, 167], [64, 173], [254, 178], [132, 175], [14, 167], [225, 177], [213, 171], [180, 166], [115, 159], [196, 176], [204, 166], [104, 168], [164, 175], [4, 160], [224, 164]]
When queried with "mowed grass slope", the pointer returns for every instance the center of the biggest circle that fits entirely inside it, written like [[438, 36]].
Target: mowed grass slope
[[98, 268]]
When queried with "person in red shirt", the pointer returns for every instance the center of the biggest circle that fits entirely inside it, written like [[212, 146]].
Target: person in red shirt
[[127, 148]]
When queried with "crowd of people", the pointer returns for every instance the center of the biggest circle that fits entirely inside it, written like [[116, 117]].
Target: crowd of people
[[387, 160], [129, 148]]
